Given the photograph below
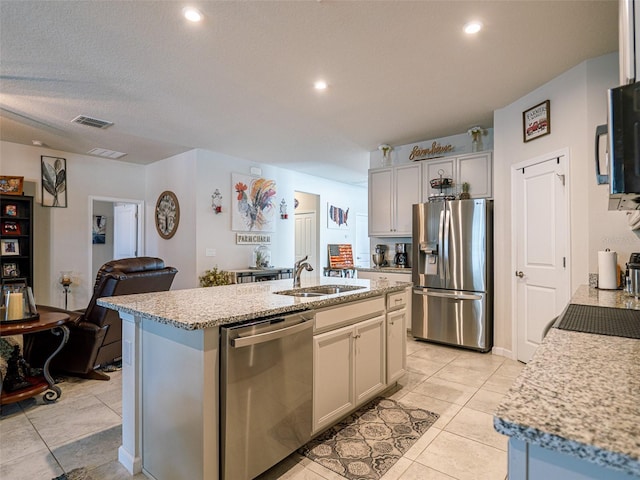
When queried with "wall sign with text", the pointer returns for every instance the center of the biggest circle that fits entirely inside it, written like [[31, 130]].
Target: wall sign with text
[[536, 122]]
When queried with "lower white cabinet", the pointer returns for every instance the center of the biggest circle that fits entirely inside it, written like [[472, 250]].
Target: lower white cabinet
[[349, 369], [396, 344]]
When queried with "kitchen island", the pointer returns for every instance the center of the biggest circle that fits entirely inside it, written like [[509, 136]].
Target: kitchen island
[[574, 411], [170, 353]]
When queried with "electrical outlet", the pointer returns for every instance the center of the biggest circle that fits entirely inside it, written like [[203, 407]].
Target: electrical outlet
[[210, 252]]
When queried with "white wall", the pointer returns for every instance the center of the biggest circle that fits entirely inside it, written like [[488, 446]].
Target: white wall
[[578, 104], [62, 236]]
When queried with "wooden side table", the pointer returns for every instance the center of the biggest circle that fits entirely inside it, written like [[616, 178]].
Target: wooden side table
[[54, 321]]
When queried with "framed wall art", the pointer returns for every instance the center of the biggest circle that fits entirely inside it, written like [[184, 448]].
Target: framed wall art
[[99, 229], [11, 185], [9, 247], [11, 210], [253, 207], [536, 121], [337, 217], [10, 227], [10, 270], [54, 181]]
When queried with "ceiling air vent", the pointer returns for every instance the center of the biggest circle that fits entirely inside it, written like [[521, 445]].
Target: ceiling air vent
[[103, 152], [91, 122]]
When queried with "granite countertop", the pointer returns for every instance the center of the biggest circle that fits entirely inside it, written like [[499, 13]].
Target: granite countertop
[[580, 393], [385, 269], [200, 308]]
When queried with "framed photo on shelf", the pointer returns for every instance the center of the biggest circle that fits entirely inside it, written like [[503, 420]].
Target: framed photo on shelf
[[10, 227], [9, 247], [10, 270], [10, 185], [10, 210], [536, 121]]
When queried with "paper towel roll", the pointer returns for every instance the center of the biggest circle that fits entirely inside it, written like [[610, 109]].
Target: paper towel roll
[[607, 270]]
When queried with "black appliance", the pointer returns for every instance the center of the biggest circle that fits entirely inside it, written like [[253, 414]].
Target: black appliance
[[623, 130], [401, 259]]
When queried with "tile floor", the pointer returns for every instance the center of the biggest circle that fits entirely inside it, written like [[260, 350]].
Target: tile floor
[[83, 429]]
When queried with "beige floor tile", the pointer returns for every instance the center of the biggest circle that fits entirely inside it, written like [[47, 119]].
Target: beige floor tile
[[464, 459], [485, 362], [114, 471], [423, 442], [423, 366], [510, 368], [20, 442], [446, 390], [82, 416], [478, 426], [112, 399], [463, 375], [498, 383], [437, 353], [287, 469], [485, 401], [34, 467], [91, 450], [13, 418], [446, 410], [397, 470], [417, 471]]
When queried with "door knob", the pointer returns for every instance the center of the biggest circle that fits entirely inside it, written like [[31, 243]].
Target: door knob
[[519, 274]]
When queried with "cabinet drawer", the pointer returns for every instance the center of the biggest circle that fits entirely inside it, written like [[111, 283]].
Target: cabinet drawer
[[333, 317], [397, 300]]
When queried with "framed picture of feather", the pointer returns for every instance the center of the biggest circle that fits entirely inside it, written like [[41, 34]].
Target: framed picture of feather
[[253, 205], [54, 181]]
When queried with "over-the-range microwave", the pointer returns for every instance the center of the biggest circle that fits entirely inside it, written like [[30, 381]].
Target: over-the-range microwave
[[623, 133]]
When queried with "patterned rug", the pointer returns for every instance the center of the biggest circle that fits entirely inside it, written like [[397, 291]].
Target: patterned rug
[[75, 474], [366, 444]]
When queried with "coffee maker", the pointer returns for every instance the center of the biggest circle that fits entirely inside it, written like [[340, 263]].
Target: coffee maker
[[401, 259]]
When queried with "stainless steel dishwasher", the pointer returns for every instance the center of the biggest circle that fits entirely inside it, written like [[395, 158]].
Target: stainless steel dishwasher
[[265, 393]]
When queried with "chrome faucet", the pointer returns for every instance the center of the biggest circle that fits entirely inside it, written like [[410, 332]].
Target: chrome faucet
[[298, 267]]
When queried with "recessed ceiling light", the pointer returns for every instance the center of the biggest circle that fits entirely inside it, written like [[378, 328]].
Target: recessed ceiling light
[[472, 27], [192, 14], [37, 143], [320, 85]]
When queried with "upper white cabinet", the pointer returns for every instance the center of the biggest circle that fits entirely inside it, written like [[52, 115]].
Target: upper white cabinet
[[392, 192], [473, 168], [629, 37]]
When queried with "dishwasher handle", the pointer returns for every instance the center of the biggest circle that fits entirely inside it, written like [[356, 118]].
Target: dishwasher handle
[[269, 336]]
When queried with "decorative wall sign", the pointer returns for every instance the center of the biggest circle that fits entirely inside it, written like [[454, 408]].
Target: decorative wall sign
[[337, 217], [99, 229], [536, 122], [167, 214], [54, 181], [253, 239], [340, 255], [436, 150], [253, 207], [11, 185]]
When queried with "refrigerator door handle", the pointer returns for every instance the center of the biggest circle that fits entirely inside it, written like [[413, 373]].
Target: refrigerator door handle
[[452, 296], [445, 247], [442, 247]]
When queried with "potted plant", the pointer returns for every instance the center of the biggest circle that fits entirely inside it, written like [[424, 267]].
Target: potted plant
[[215, 277], [465, 191]]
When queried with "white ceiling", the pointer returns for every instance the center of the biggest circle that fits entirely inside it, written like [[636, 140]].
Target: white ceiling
[[241, 82]]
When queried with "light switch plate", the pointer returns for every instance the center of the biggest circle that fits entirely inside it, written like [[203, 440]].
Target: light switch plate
[[210, 252]]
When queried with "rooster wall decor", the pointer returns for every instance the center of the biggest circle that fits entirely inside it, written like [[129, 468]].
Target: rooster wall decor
[[254, 208]]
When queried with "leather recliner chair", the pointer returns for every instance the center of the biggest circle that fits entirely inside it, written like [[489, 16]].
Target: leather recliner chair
[[95, 336]]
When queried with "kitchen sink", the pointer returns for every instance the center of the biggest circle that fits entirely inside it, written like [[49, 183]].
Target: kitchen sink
[[319, 291]]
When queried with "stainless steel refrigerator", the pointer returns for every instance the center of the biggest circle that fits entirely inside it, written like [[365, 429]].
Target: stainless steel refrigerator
[[453, 273]]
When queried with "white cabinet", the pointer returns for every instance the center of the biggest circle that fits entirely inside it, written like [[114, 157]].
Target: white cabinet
[[349, 369], [474, 168], [391, 276], [392, 192], [396, 335]]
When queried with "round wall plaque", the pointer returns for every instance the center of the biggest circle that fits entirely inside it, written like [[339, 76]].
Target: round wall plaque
[[167, 214]]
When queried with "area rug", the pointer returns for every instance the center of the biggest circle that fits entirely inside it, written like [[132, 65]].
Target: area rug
[[75, 474], [366, 444]]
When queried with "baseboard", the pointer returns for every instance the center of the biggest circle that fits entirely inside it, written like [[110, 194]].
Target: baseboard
[[503, 352], [132, 464]]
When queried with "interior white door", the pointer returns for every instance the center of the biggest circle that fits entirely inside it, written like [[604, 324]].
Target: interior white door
[[306, 242], [363, 249], [125, 230], [541, 272]]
